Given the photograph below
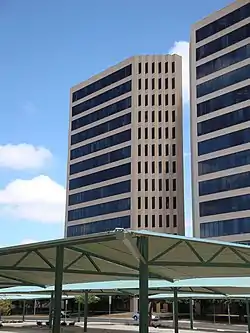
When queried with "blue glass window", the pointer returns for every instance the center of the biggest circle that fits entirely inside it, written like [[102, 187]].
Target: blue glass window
[[98, 226], [99, 209], [224, 162], [100, 160], [102, 113], [101, 176], [226, 228], [223, 101], [102, 98], [225, 205], [223, 42], [223, 81], [224, 141], [223, 22], [227, 183], [98, 145], [100, 192], [102, 83], [226, 120], [223, 61], [101, 129]]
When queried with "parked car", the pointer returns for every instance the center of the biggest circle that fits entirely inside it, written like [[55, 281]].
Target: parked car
[[136, 317]]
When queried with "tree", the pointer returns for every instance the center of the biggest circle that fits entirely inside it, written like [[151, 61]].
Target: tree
[[5, 307], [91, 299]]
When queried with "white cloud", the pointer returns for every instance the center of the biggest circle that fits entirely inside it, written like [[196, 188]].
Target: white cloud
[[182, 48], [23, 156], [28, 241], [39, 199]]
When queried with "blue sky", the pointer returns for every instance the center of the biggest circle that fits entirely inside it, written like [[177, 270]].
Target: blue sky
[[47, 47]]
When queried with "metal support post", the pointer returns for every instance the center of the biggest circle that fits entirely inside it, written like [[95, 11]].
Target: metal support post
[[176, 311], [24, 309], [79, 311], [58, 289], [143, 285], [86, 303], [248, 315], [51, 307], [191, 309], [229, 313]]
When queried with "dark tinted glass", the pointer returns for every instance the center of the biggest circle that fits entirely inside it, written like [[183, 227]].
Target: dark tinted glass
[[223, 42], [100, 192], [223, 22], [102, 83], [226, 183], [102, 98], [223, 101], [223, 81], [101, 176], [223, 121], [102, 113], [99, 226], [100, 209], [100, 160], [224, 162], [98, 145], [224, 141], [224, 61], [225, 228], [225, 205], [101, 129]]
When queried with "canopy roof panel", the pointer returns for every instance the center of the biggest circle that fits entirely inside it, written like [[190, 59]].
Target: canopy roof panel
[[115, 255]]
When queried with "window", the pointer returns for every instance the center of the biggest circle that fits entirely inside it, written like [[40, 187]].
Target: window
[[166, 133], [139, 184], [225, 205], [224, 141], [139, 84], [159, 67], [167, 167], [226, 183], [166, 83], [166, 116], [160, 166], [226, 120], [167, 202], [139, 221], [153, 150], [146, 68], [139, 116], [160, 184], [146, 150], [174, 203], [146, 221], [153, 116], [160, 150], [222, 42], [159, 116], [173, 116], [100, 209], [146, 116], [159, 133], [224, 162], [173, 149], [223, 81], [99, 193], [166, 67], [167, 221], [159, 100], [139, 68], [166, 99], [153, 67], [223, 22], [167, 184], [139, 150], [173, 99], [139, 133], [101, 129], [139, 100], [101, 176], [102, 98], [146, 167], [95, 162], [153, 221], [153, 167], [98, 145], [160, 202], [146, 100], [153, 100], [160, 221], [174, 221], [174, 184], [173, 83], [146, 84], [153, 84], [173, 67], [98, 226], [146, 185], [101, 113], [102, 83], [153, 132], [159, 83], [146, 133], [146, 202], [166, 150], [139, 167], [223, 61], [153, 184], [174, 166], [153, 202], [173, 132], [139, 202]]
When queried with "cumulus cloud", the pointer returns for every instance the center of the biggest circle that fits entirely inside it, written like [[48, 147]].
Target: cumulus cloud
[[182, 48], [39, 199], [23, 156]]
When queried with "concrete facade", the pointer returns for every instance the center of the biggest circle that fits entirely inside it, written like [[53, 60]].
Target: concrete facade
[[220, 104], [155, 198]]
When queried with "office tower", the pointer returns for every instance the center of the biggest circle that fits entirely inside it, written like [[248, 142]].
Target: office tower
[[220, 123], [125, 164]]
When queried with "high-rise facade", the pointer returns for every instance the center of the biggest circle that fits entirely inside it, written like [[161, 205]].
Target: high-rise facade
[[125, 161], [220, 123]]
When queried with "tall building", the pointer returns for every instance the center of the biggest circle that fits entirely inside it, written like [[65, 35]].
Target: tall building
[[220, 123], [125, 164]]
